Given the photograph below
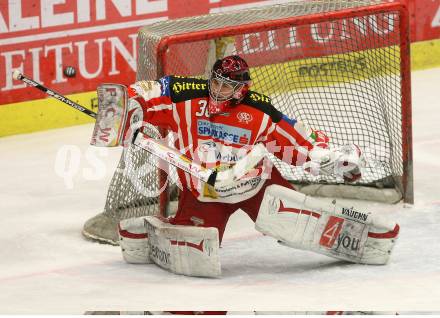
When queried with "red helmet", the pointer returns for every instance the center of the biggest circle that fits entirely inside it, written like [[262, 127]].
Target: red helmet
[[229, 83]]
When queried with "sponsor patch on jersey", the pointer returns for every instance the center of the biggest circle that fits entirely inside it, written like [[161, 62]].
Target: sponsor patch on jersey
[[182, 86], [206, 146], [186, 88], [224, 132], [212, 152], [239, 188], [256, 97], [244, 117]]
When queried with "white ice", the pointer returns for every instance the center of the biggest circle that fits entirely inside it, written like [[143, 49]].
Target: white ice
[[47, 267]]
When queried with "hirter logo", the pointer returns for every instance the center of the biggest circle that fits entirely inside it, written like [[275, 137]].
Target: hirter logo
[[331, 231], [244, 117]]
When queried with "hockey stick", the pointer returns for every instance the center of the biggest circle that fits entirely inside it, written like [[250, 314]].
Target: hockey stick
[[174, 157], [170, 155], [106, 133], [20, 77], [209, 176]]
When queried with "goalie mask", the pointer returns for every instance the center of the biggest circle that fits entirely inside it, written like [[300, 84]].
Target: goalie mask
[[228, 84]]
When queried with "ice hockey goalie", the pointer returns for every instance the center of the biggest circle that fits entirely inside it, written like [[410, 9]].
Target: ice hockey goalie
[[217, 122]]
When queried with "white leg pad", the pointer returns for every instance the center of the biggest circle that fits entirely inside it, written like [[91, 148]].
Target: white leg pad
[[325, 227], [183, 249], [133, 240]]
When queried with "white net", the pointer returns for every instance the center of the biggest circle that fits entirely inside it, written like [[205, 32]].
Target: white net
[[336, 65]]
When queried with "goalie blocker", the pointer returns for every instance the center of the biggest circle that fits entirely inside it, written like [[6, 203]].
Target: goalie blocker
[[116, 119], [296, 220]]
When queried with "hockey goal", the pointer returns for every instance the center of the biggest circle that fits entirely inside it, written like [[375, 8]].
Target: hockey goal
[[339, 66]]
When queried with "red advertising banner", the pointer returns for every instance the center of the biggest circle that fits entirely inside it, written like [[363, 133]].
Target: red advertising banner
[[321, 39], [98, 38], [425, 19], [308, 40]]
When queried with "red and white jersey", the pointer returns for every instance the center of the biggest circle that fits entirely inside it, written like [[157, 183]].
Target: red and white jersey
[[179, 104]]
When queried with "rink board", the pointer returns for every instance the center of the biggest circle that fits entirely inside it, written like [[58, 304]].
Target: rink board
[[43, 114]]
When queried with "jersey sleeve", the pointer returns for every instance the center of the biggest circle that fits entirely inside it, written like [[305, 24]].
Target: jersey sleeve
[[155, 100], [291, 140]]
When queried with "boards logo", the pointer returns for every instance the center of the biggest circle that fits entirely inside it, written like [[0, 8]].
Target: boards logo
[[244, 117], [333, 68]]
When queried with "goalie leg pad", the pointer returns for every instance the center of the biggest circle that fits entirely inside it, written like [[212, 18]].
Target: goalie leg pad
[[325, 227], [183, 249], [133, 240]]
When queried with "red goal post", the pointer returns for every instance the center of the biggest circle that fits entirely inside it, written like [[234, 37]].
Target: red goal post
[[340, 66]]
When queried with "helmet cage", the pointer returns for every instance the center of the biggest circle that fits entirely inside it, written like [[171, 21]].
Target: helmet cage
[[226, 88]]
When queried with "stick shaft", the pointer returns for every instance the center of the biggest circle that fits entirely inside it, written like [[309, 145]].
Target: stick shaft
[[174, 157], [55, 95], [212, 177]]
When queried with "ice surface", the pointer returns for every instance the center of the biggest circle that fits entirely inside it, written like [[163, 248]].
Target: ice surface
[[47, 267]]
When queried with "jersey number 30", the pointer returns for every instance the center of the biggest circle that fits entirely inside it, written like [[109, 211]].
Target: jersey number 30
[[203, 109]]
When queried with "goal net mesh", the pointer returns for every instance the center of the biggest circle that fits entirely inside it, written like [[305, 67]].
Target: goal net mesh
[[340, 73]]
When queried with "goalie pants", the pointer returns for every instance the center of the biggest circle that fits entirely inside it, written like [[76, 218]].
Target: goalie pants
[[191, 211]]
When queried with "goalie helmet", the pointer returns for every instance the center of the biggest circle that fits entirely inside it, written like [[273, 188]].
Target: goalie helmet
[[229, 82]]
